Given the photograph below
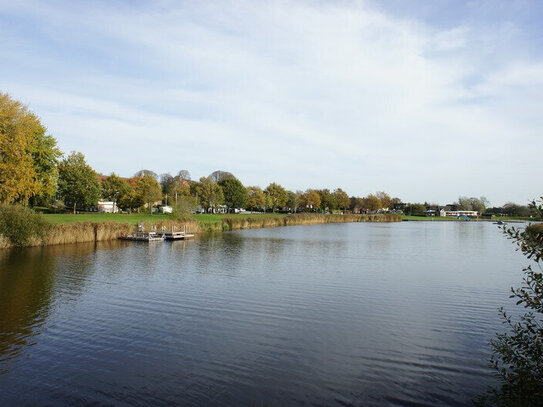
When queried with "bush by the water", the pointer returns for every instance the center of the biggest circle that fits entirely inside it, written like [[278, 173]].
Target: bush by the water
[[19, 225]]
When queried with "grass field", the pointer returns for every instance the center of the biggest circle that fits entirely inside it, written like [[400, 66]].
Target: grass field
[[143, 217]]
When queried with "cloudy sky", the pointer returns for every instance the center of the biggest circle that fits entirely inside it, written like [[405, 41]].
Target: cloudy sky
[[425, 100]]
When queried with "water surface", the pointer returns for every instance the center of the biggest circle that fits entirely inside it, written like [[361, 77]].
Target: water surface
[[346, 314]]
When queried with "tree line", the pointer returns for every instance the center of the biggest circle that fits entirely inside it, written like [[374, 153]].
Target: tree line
[[34, 172]]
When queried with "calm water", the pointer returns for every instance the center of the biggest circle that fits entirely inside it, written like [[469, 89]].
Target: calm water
[[348, 314]]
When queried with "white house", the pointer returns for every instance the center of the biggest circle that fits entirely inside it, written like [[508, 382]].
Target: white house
[[107, 207], [443, 212]]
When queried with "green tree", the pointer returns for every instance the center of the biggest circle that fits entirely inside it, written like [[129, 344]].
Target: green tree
[[518, 353], [77, 182], [276, 196], [148, 188], [256, 198], [115, 188], [235, 194], [415, 209], [341, 198], [209, 194], [293, 200], [28, 157], [45, 156], [328, 201]]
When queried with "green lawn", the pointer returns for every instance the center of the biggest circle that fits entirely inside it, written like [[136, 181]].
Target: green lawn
[[142, 217]]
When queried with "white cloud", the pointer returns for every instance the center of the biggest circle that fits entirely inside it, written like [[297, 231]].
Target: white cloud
[[306, 94]]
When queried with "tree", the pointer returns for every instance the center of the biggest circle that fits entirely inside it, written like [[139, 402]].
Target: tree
[[132, 200], [473, 204], [235, 194], [209, 193], [293, 200], [341, 198], [415, 209], [77, 181], [328, 202], [385, 198], [115, 188], [372, 203], [311, 200], [276, 196], [518, 354], [256, 198], [217, 176], [184, 175], [45, 156], [166, 182], [148, 188], [28, 157], [142, 173]]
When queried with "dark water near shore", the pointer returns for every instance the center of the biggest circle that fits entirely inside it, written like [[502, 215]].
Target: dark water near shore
[[393, 314]]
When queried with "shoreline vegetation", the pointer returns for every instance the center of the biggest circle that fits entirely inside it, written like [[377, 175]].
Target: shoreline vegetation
[[74, 231], [54, 229]]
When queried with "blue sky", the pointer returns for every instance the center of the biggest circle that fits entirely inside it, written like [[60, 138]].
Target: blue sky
[[425, 100]]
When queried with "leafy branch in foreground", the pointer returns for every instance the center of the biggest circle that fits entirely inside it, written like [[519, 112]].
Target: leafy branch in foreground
[[518, 353]]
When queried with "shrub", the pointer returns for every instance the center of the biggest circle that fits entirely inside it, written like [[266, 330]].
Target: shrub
[[19, 225], [518, 353]]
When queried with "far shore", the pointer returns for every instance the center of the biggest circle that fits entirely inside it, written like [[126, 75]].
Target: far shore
[[94, 227]]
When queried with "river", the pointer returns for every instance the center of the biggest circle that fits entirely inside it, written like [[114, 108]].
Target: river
[[384, 314]]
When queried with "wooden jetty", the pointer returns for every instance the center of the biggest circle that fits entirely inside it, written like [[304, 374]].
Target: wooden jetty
[[142, 236], [177, 235]]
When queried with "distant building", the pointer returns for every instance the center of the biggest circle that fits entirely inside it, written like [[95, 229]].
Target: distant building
[[107, 207], [166, 209], [444, 212]]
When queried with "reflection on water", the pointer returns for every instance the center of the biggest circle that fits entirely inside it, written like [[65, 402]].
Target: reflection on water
[[352, 314]]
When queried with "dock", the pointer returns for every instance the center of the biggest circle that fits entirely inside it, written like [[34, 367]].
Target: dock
[[154, 236], [177, 235], [142, 236]]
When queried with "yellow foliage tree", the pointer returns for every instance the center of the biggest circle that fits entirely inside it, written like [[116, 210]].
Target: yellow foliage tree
[[28, 156]]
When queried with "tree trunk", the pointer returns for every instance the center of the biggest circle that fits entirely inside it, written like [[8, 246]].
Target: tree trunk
[[74, 207]]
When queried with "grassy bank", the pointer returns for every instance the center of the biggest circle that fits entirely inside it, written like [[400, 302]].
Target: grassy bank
[[63, 229]]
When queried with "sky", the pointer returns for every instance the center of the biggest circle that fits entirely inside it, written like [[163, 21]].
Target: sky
[[425, 100]]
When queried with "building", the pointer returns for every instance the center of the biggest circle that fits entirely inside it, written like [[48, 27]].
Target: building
[[444, 212], [107, 207]]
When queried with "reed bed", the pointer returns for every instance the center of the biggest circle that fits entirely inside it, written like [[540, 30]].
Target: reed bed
[[80, 232]]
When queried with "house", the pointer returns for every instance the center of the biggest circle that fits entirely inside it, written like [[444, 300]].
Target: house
[[165, 209], [444, 212], [107, 207]]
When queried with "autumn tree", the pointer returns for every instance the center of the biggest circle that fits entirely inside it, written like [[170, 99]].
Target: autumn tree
[[311, 199], [235, 194], [341, 198], [148, 188], [28, 157], [256, 197], [276, 196], [385, 199], [372, 202], [77, 182]]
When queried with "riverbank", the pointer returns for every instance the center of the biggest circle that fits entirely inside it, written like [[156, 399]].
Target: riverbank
[[101, 230]]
